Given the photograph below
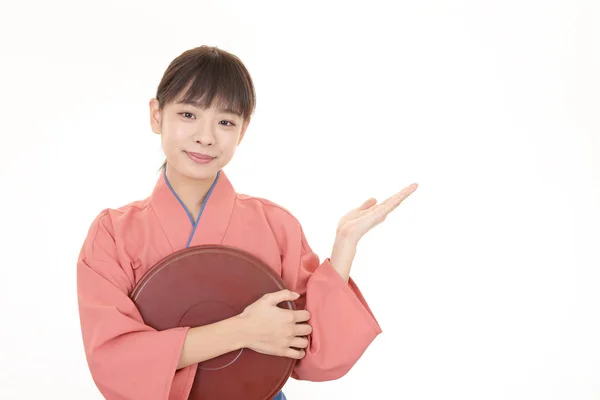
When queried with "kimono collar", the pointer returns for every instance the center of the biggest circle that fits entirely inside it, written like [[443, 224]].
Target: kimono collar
[[180, 229]]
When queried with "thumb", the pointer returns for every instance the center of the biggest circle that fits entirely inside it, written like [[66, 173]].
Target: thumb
[[368, 204], [283, 295]]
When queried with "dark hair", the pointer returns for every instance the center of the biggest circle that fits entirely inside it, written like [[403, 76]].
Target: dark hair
[[206, 74]]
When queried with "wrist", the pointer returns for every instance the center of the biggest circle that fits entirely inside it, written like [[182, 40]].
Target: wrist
[[240, 327], [342, 256], [345, 242]]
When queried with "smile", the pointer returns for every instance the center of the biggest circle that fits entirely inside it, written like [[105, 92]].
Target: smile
[[199, 157]]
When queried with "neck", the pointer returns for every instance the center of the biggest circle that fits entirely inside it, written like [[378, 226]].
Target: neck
[[192, 192]]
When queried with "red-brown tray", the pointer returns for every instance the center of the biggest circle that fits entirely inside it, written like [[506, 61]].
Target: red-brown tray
[[205, 284]]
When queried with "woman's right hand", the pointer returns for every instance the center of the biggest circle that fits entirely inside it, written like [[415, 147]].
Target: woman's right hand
[[269, 329]]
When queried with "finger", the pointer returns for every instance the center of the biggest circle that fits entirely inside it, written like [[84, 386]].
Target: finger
[[301, 315], [367, 204], [378, 214], [302, 330], [296, 354], [299, 343], [407, 191], [394, 201], [279, 297], [404, 193]]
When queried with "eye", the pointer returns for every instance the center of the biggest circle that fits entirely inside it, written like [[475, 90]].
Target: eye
[[187, 115], [227, 122]]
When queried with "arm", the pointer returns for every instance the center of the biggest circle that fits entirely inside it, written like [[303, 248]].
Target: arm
[[342, 322], [223, 337], [342, 256], [128, 359]]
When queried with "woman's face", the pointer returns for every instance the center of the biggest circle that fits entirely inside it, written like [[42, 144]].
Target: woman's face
[[197, 142]]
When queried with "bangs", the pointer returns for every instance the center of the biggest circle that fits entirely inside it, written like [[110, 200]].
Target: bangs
[[206, 77]]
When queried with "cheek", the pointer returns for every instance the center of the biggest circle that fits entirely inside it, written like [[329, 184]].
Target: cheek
[[172, 140], [167, 143], [230, 145]]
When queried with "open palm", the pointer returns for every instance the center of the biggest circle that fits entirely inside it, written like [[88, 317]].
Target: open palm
[[360, 220]]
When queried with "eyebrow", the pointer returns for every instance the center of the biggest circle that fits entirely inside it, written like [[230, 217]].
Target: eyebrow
[[197, 104]]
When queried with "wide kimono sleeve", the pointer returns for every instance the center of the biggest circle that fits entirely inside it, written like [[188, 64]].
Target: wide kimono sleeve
[[128, 360], [342, 322]]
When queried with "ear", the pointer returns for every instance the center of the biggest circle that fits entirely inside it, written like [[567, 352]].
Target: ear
[[155, 116], [244, 127]]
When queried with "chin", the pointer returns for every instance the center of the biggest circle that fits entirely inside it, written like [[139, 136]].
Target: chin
[[191, 170], [202, 172]]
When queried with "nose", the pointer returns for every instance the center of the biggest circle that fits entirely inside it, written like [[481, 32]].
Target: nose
[[204, 135]]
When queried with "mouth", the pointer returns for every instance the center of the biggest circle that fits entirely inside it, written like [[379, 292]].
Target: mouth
[[199, 157]]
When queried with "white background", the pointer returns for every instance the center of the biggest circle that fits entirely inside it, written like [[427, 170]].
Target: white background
[[486, 281]]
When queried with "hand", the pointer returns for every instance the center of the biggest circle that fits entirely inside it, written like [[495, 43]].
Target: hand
[[359, 221], [356, 223], [269, 329]]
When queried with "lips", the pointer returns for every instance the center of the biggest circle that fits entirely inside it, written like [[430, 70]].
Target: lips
[[199, 156]]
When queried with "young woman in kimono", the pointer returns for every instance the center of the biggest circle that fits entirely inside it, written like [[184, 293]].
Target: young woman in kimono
[[201, 111]]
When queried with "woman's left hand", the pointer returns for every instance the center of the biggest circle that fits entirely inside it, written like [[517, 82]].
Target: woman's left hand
[[354, 225]]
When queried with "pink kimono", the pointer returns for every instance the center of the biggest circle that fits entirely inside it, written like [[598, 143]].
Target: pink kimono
[[131, 361]]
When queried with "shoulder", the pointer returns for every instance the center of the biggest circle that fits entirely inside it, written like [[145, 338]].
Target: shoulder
[[278, 216], [282, 223], [107, 224]]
